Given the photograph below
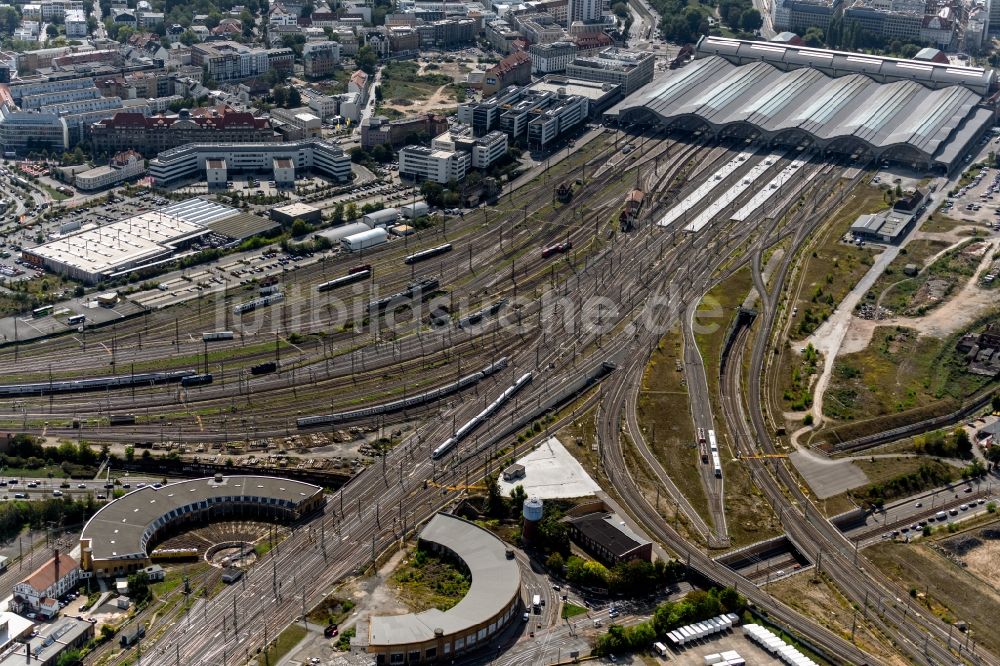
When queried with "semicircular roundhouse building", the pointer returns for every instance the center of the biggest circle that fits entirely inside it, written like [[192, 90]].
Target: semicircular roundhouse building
[[118, 538], [493, 600]]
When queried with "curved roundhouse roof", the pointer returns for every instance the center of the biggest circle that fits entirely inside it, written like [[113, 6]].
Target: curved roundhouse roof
[[121, 529]]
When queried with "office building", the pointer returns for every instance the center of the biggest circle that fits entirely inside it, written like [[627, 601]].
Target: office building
[[799, 15], [550, 58], [895, 19], [320, 58], [123, 166], [312, 155], [515, 69], [380, 131], [586, 11], [151, 135], [629, 69], [230, 61], [420, 163], [484, 150]]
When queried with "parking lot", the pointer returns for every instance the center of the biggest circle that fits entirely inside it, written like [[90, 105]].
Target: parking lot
[[978, 201]]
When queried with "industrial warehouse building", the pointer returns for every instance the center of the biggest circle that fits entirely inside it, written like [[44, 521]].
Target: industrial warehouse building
[[283, 161], [117, 539], [493, 600], [922, 114], [144, 241]]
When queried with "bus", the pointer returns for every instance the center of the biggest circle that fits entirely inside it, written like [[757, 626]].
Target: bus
[[77, 319], [43, 311]]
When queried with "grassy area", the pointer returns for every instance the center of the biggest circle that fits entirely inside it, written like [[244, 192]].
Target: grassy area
[[941, 586], [833, 266], [665, 418], [893, 478], [897, 372], [400, 81], [572, 610], [879, 470], [820, 599], [174, 578], [939, 223], [344, 640], [748, 515], [427, 581], [796, 378], [331, 611], [916, 296], [52, 192], [287, 640], [715, 313], [916, 252]]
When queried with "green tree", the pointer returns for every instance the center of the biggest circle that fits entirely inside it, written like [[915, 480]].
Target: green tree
[[71, 657], [129, 453], [294, 98], [138, 587], [620, 9], [338, 214], [963, 445], [378, 93], [517, 497], [279, 95], [351, 212], [299, 228], [813, 38], [555, 562], [494, 500], [9, 20], [750, 20], [367, 60]]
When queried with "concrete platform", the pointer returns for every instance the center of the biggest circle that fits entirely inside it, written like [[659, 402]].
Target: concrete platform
[[825, 476], [551, 472]]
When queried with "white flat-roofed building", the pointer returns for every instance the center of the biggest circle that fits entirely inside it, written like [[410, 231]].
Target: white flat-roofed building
[[422, 163], [123, 166], [550, 58], [76, 24], [488, 149], [284, 171], [216, 174], [95, 253], [629, 69], [188, 161]]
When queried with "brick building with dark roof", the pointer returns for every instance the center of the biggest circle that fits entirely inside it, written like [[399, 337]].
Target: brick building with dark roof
[[606, 537], [515, 69], [154, 134]]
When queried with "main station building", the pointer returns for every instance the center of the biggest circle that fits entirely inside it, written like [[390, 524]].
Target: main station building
[[923, 114]]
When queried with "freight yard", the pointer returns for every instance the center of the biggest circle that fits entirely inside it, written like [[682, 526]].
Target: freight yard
[[709, 380]]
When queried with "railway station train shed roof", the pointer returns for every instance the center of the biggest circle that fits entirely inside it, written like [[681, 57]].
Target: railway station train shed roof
[[496, 580], [883, 69], [902, 120], [122, 529]]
